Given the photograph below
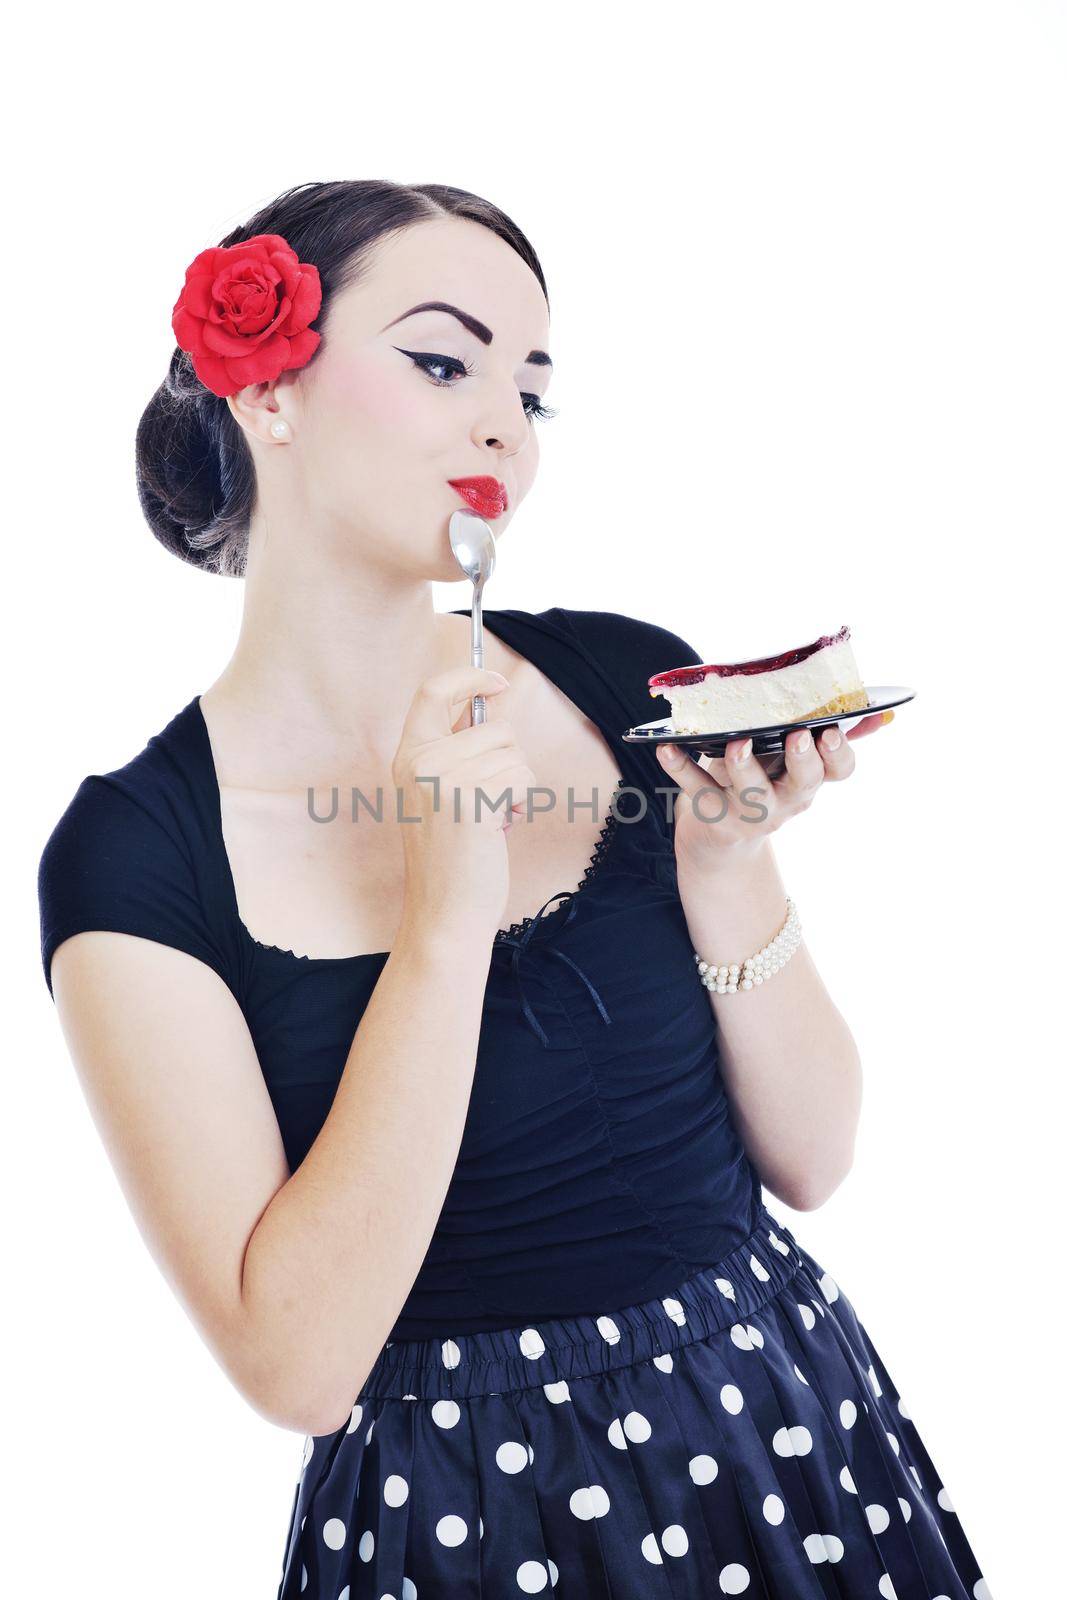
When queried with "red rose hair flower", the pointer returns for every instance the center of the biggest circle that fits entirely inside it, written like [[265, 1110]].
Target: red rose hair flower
[[243, 313]]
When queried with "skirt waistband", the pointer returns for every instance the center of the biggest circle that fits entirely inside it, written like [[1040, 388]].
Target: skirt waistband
[[719, 1296]]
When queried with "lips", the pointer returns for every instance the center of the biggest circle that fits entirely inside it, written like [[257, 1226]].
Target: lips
[[487, 496]]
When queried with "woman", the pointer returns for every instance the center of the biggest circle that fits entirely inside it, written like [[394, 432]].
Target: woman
[[477, 1188]]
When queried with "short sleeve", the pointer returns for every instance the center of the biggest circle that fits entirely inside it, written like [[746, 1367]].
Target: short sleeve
[[113, 865], [630, 651]]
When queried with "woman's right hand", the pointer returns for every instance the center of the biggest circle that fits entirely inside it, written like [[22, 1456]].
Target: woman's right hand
[[455, 854]]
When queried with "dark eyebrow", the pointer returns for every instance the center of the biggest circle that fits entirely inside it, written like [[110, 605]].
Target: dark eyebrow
[[539, 358]]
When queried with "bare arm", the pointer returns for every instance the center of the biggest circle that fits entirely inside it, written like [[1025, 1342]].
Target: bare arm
[[293, 1280]]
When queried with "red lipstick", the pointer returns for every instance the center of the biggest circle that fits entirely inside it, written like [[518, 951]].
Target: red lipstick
[[487, 496]]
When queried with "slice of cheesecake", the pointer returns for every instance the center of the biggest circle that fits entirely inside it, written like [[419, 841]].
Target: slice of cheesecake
[[815, 680]]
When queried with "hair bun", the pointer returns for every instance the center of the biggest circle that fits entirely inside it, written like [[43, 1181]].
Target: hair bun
[[184, 438]]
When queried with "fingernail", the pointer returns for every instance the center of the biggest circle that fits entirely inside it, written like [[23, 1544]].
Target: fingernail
[[804, 742], [887, 716], [832, 738], [744, 752]]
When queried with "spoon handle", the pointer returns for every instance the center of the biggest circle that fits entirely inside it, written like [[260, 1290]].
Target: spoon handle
[[477, 659]]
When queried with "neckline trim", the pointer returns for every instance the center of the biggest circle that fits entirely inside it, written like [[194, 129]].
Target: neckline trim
[[607, 833]]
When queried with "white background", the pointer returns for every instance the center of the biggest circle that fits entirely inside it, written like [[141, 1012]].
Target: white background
[[807, 266]]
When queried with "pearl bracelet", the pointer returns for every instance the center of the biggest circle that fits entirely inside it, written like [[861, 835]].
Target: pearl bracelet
[[754, 969]]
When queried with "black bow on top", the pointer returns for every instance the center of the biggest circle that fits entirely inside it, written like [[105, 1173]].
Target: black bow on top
[[519, 947]]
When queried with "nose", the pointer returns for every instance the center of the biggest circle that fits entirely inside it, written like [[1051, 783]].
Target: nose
[[511, 427]]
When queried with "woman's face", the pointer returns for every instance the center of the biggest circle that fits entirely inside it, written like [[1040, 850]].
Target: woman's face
[[377, 434]]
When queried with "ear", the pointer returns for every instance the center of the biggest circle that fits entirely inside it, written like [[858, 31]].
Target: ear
[[257, 406]]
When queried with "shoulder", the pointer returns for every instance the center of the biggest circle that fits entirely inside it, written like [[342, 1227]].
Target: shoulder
[[143, 804], [615, 634], [126, 855], [629, 649]]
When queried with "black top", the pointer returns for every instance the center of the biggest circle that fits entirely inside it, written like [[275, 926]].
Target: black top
[[599, 1165]]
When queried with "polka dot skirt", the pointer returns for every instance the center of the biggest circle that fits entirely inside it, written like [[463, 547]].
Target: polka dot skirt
[[739, 1437]]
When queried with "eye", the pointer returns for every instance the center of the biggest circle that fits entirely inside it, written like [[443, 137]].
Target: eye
[[425, 361]]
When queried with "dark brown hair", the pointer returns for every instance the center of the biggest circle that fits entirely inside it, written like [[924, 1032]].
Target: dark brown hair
[[195, 478]]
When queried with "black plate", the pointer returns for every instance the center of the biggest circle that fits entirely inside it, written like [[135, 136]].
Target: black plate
[[765, 741]]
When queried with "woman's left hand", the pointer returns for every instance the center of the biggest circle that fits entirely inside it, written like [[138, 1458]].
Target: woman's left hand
[[745, 800]]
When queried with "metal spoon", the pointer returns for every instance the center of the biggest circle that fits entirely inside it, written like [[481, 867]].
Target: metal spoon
[[474, 548]]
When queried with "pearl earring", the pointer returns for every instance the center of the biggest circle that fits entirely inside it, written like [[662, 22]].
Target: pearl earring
[[279, 428]]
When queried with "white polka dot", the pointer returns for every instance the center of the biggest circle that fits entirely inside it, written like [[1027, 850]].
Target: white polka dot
[[370, 1430], [905, 1507], [511, 1456], [588, 1503], [451, 1530], [915, 1475], [636, 1427], [581, 1504], [905, 1413], [943, 1500], [846, 1480], [739, 1335], [395, 1490], [820, 1308], [366, 1545], [665, 1362], [758, 1269], [894, 1441], [807, 1316], [345, 1593], [675, 1540], [794, 1441], [553, 1572], [450, 1353], [734, 1578], [755, 1335], [445, 1413], [885, 1587], [333, 1533], [409, 1397], [481, 1528], [532, 1345], [531, 1577], [303, 1578], [616, 1435], [732, 1398], [608, 1330], [650, 1550], [725, 1287], [774, 1510], [309, 1451], [829, 1288], [408, 1590], [847, 1413], [981, 1590], [878, 1517], [703, 1469], [779, 1244], [675, 1310], [557, 1392], [832, 1548], [873, 1378], [800, 1375]]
